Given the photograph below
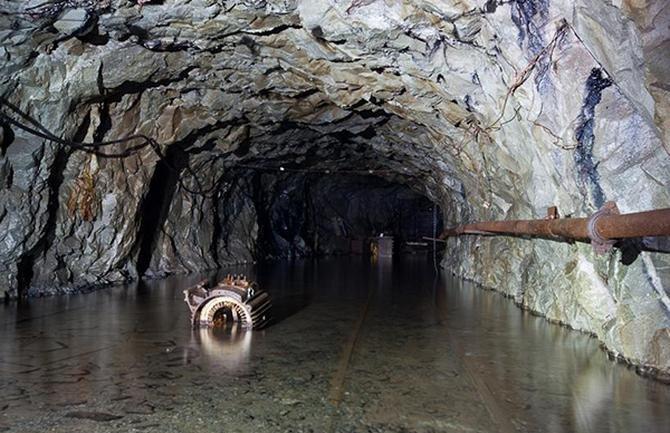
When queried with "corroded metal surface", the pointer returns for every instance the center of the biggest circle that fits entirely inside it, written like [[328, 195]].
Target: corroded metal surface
[[234, 299], [600, 228]]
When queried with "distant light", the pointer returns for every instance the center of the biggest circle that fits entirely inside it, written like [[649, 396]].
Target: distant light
[[327, 171], [281, 169], [370, 171]]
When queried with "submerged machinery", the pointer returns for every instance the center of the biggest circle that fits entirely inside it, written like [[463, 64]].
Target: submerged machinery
[[233, 299]]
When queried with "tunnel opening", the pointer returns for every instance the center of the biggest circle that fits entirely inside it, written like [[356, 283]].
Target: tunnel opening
[[280, 130], [311, 215], [272, 214]]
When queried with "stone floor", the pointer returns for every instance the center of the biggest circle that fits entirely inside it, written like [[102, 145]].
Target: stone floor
[[356, 347]]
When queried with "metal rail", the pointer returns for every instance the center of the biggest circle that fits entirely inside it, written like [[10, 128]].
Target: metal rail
[[602, 228]]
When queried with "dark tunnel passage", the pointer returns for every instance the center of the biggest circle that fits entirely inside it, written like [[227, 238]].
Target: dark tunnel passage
[[264, 158], [263, 215], [315, 215]]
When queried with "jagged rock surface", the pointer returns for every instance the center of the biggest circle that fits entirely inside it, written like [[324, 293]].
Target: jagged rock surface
[[493, 109]]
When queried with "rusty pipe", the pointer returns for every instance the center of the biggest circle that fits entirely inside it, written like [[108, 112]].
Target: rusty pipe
[[603, 227]]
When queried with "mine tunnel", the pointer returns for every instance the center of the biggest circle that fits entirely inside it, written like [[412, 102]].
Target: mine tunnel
[[335, 216], [271, 212]]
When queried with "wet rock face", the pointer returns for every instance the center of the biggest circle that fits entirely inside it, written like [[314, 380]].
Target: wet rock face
[[491, 109]]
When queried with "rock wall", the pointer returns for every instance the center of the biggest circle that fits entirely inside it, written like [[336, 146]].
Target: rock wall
[[493, 109]]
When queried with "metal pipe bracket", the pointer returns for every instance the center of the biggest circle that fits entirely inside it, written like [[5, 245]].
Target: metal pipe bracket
[[601, 245]]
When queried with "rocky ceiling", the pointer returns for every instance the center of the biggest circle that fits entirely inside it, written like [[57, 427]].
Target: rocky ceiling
[[493, 109]]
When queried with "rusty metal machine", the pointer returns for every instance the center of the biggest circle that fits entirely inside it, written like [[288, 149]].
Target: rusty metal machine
[[234, 299]]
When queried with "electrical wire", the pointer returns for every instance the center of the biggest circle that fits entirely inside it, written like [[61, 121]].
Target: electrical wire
[[33, 127], [38, 130]]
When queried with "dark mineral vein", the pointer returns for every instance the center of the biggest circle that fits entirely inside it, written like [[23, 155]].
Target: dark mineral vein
[[587, 168]]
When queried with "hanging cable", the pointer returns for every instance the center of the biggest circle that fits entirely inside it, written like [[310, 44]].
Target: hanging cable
[[35, 128], [39, 130]]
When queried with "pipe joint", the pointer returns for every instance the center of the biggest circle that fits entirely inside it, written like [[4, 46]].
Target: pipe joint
[[601, 244]]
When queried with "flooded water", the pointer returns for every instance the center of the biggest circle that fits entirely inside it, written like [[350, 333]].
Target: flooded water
[[356, 347]]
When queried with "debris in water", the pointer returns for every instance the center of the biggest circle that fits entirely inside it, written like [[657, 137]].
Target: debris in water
[[234, 299]]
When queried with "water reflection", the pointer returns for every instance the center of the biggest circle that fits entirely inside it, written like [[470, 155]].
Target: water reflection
[[433, 354], [228, 348], [592, 393]]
